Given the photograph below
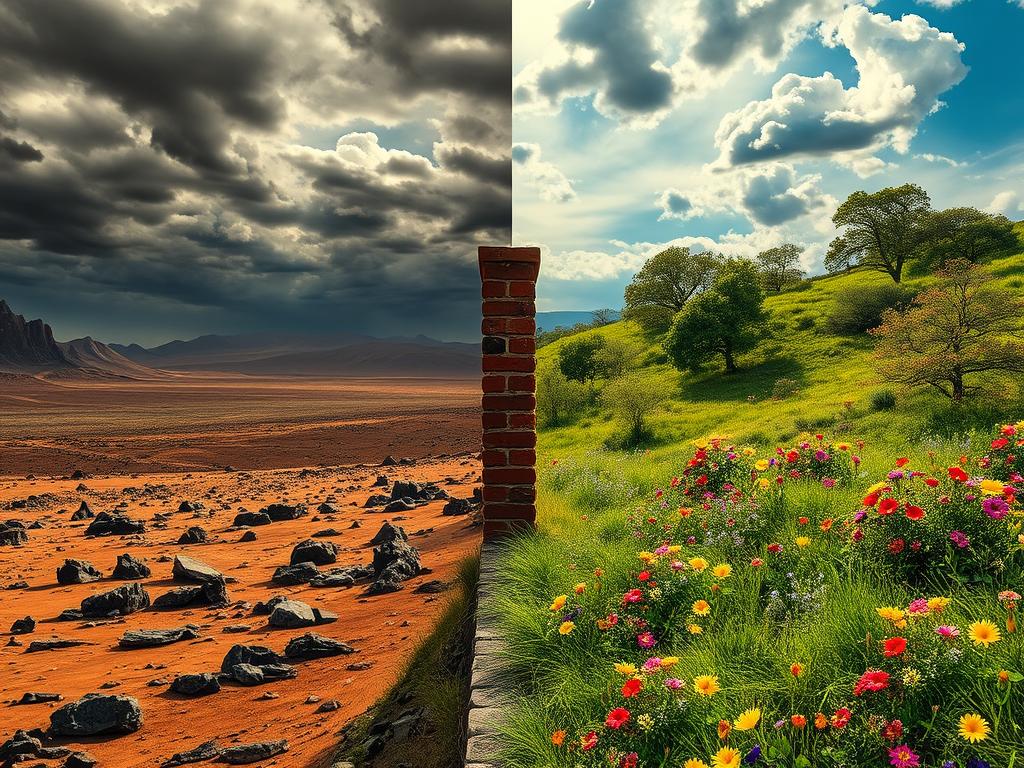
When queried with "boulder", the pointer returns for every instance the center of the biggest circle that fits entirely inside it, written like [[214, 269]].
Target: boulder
[[314, 646], [129, 569], [293, 575], [376, 500], [54, 644], [251, 519], [119, 601], [399, 505], [33, 697], [190, 569], [95, 714], [114, 524], [248, 536], [456, 507], [389, 533], [326, 533], [191, 506], [84, 512], [382, 481], [327, 508], [247, 674], [291, 614], [212, 593], [81, 760], [12, 535], [194, 535], [205, 751], [77, 572], [281, 512], [23, 626], [256, 655], [151, 638], [253, 753], [312, 551], [202, 684]]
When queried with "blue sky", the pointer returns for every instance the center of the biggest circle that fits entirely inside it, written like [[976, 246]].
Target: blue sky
[[643, 122]]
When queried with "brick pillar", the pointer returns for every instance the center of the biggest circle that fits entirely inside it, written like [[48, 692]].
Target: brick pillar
[[509, 418]]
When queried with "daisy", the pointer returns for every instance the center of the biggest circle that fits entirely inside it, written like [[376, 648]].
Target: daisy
[[693, 762], [748, 720], [701, 607], [903, 757], [566, 627], [722, 571], [726, 757], [558, 603], [973, 728], [984, 633], [706, 685]]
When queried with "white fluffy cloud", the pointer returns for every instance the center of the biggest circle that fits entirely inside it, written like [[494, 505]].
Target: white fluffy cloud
[[550, 183], [943, 4], [1008, 203], [903, 65]]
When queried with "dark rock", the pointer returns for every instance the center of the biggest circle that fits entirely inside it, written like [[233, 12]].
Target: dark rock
[[389, 533], [77, 572], [314, 646], [190, 569], [248, 536], [247, 674], [96, 713], [12, 535], [21, 743], [81, 760], [384, 584], [54, 644], [326, 533], [128, 568], [456, 507], [431, 587], [114, 524], [327, 508], [399, 505], [205, 751], [194, 535], [292, 575], [331, 705], [291, 614], [178, 597], [281, 512], [70, 614], [23, 626], [376, 500], [79, 474], [278, 671], [119, 601], [251, 519], [256, 655], [253, 753], [20, 584], [318, 552], [84, 512], [381, 481], [202, 684], [355, 524], [191, 506], [389, 461], [33, 697], [151, 638]]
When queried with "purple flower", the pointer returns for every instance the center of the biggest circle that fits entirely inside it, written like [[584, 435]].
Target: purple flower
[[960, 539], [995, 507], [828, 482], [976, 762], [896, 474], [820, 455], [753, 755]]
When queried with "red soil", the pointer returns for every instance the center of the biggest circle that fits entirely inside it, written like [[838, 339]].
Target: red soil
[[385, 629]]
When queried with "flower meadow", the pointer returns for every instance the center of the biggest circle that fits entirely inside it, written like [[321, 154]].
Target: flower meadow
[[812, 605]]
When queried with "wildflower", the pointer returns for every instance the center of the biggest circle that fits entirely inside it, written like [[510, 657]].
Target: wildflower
[[803, 541], [589, 741], [756, 562], [918, 606], [960, 539], [893, 731], [652, 664], [911, 677], [903, 757], [888, 506], [747, 720], [722, 571], [632, 596], [913, 512], [991, 487], [629, 670], [872, 680], [558, 738], [607, 623], [984, 633], [580, 588], [826, 524], [753, 755], [673, 683], [645, 722], [698, 564], [995, 507], [796, 669], [841, 718], [701, 607], [775, 548], [894, 646], [798, 721], [694, 629], [706, 685], [973, 728], [895, 615], [630, 760], [937, 604], [617, 718], [828, 482], [957, 474], [644, 576], [977, 762], [559, 603], [723, 729], [632, 687], [726, 757], [947, 631], [896, 546], [820, 721], [566, 627], [693, 762], [669, 661], [1003, 677], [645, 640], [761, 465]]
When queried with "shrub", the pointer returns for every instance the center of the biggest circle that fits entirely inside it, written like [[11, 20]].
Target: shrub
[[632, 398], [559, 400], [859, 309], [883, 400]]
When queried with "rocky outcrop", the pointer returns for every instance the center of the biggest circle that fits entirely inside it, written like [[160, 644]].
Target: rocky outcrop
[[94, 714]]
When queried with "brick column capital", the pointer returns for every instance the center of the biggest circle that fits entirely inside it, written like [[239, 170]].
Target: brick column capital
[[508, 287]]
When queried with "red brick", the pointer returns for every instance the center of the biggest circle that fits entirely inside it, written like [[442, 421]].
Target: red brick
[[526, 345], [497, 511], [522, 458], [522, 288], [507, 363], [494, 420], [509, 402], [510, 476], [492, 493], [502, 270], [522, 326], [510, 439], [527, 254], [501, 308], [495, 289], [494, 384], [521, 384], [494, 458], [520, 495], [494, 325], [522, 421]]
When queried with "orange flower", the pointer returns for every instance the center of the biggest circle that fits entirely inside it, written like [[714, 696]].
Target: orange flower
[[723, 729], [796, 669], [632, 687], [826, 525], [558, 738], [820, 721], [798, 721]]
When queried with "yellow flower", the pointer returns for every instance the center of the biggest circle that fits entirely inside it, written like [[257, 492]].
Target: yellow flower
[[580, 588], [647, 557], [695, 629], [645, 722], [625, 669], [673, 548], [701, 607], [764, 483], [698, 563], [566, 627], [877, 487], [722, 571], [843, 446], [559, 602], [984, 633], [667, 662], [991, 487], [706, 685], [973, 728], [747, 720], [693, 762], [803, 541], [726, 757], [748, 451], [938, 604], [761, 465], [895, 615]]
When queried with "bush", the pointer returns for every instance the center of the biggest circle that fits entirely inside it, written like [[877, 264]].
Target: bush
[[883, 400], [632, 398], [559, 400], [859, 309]]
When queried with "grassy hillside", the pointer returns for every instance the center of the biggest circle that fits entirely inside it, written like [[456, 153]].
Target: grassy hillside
[[834, 374]]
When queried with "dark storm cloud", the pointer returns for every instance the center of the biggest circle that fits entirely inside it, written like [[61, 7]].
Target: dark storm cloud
[[150, 165]]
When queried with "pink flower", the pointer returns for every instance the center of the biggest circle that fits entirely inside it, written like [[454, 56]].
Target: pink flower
[[960, 539], [652, 664], [947, 631], [673, 683], [645, 640], [903, 757], [918, 606], [828, 482]]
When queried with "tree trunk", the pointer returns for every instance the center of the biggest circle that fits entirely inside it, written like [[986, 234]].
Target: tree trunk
[[958, 386], [730, 363]]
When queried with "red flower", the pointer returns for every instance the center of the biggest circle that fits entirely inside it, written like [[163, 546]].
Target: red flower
[[870, 500], [895, 646], [702, 480], [902, 461], [888, 506], [617, 718], [645, 575], [841, 718], [914, 513], [792, 457], [1000, 442], [632, 687], [958, 474], [872, 680], [633, 596], [894, 731], [799, 721], [589, 741], [804, 520], [896, 546], [931, 482]]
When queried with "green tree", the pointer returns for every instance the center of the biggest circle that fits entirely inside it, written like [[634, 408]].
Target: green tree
[[961, 327], [559, 400], [881, 231], [726, 319], [665, 283], [577, 359], [633, 397], [617, 356], [780, 267], [966, 233]]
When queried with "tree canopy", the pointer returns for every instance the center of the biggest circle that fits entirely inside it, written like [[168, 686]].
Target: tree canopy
[[881, 230], [966, 233], [577, 359], [665, 283], [726, 319], [780, 267]]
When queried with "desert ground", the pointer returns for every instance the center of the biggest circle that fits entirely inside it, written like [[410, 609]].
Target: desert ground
[[145, 448]]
